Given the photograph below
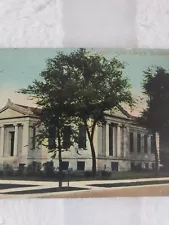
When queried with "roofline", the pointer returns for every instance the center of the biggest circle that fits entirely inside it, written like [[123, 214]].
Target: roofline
[[19, 117]]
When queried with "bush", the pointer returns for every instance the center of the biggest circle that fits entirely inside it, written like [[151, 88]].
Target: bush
[[49, 169], [136, 168], [33, 169], [106, 174], [88, 174], [1, 173], [57, 174], [8, 170]]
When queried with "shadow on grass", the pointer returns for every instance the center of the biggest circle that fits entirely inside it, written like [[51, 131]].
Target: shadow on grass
[[8, 186], [46, 190], [128, 184]]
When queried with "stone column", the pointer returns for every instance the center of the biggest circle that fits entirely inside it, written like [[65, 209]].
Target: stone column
[[2, 142], [25, 141], [16, 140], [115, 141], [107, 139], [149, 145], [142, 144], [118, 141], [125, 142]]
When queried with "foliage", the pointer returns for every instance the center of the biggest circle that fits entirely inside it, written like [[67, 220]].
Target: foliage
[[78, 88], [102, 86], [155, 87], [156, 115]]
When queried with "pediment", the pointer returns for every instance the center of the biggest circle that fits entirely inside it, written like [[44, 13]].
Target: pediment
[[9, 113], [119, 112]]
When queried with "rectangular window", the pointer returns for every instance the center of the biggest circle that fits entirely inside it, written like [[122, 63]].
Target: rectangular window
[[138, 143], [52, 138], [110, 140], [65, 165], [51, 143], [131, 142], [145, 144], [114, 166], [146, 166], [82, 137], [12, 134], [66, 137], [81, 166]]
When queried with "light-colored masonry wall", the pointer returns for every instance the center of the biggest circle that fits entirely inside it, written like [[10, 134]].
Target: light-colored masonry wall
[[121, 148], [24, 154]]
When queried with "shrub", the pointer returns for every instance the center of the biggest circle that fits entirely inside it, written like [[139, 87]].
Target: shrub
[[49, 169], [8, 170], [88, 174], [1, 173], [106, 173]]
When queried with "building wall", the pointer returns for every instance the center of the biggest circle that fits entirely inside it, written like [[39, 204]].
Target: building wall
[[115, 155]]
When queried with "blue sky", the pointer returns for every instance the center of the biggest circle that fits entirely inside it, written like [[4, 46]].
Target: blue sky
[[19, 67]]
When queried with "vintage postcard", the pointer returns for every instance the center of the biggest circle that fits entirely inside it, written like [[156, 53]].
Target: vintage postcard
[[79, 123]]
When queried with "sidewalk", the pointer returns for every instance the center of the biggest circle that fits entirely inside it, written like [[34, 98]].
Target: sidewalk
[[81, 186]]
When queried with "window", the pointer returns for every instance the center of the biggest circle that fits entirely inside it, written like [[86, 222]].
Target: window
[[139, 143], [66, 137], [131, 142], [146, 166], [145, 144], [114, 166], [12, 134], [81, 166], [65, 165], [132, 166], [82, 137], [110, 140], [51, 138], [51, 143]]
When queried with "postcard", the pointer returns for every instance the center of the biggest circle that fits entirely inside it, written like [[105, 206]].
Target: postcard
[[80, 123]]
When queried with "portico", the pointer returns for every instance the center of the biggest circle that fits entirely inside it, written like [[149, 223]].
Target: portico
[[16, 134]]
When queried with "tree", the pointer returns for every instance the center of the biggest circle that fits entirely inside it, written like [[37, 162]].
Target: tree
[[101, 86], [79, 88], [156, 115], [54, 93]]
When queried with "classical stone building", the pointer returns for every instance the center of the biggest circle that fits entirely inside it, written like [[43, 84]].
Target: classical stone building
[[120, 145]]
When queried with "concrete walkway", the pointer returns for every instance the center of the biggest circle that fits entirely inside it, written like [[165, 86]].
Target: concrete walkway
[[85, 186]]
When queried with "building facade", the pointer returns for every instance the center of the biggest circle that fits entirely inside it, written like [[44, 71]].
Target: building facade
[[121, 144]]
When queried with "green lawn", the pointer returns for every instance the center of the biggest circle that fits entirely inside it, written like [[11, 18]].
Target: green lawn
[[114, 176]]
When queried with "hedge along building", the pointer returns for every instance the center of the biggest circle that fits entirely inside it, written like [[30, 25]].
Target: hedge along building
[[120, 144]]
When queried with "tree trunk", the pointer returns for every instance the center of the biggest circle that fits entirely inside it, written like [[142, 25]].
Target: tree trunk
[[93, 159], [156, 154], [90, 136], [60, 159]]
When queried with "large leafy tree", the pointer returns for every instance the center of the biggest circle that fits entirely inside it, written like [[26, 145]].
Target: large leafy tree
[[79, 88], [102, 86], [156, 115], [54, 93]]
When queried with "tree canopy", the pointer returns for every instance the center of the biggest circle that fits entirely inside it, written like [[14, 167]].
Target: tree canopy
[[78, 88], [155, 87], [156, 114]]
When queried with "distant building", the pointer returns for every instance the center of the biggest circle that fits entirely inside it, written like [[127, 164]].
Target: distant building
[[120, 145]]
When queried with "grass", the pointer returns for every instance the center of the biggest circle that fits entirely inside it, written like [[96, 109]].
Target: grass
[[9, 186], [46, 190], [114, 176], [128, 184]]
